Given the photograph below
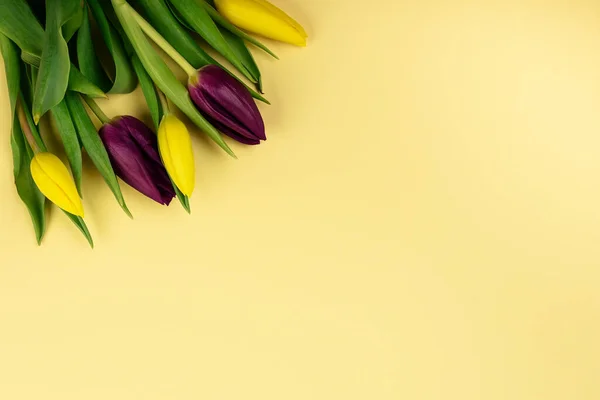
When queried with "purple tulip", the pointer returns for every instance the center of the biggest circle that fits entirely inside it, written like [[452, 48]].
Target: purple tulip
[[133, 151], [227, 104]]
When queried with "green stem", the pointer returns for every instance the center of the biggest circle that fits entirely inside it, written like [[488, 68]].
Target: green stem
[[164, 102], [162, 42], [26, 128], [96, 110]]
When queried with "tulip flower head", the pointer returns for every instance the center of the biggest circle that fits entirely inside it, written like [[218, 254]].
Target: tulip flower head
[[227, 104], [175, 146], [52, 177], [263, 18], [133, 151]]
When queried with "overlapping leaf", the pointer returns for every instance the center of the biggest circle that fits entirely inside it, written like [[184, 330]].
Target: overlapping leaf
[[55, 65], [124, 78], [33, 199]]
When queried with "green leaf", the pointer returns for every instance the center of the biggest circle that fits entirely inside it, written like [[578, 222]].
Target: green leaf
[[79, 83], [20, 25], [160, 73], [33, 199], [124, 79], [26, 188], [220, 20], [152, 99], [12, 66], [164, 21], [72, 26], [239, 48], [86, 55], [53, 78], [198, 18], [93, 146], [80, 224], [68, 134], [149, 91]]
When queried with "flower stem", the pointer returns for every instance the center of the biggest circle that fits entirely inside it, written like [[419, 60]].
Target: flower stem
[[162, 42], [26, 128], [164, 102], [96, 110]]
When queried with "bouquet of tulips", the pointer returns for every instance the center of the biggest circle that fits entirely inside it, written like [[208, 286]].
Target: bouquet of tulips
[[50, 50]]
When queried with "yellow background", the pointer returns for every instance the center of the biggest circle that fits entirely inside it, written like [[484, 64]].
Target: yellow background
[[423, 223]]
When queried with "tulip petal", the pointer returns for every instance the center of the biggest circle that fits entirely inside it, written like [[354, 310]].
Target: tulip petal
[[267, 21], [227, 104], [54, 181], [282, 15], [133, 152], [175, 147]]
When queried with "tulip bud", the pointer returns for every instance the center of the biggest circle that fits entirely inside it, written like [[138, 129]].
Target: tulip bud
[[263, 18], [133, 151], [54, 181], [227, 104], [175, 146]]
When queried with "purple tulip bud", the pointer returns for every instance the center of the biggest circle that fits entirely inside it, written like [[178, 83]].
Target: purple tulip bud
[[133, 151], [227, 104]]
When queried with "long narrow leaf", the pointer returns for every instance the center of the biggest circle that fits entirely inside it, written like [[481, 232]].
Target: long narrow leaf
[[156, 111], [198, 18], [80, 224], [72, 25], [26, 188], [53, 78], [93, 146], [239, 48], [68, 135], [86, 55], [149, 91], [165, 22], [18, 23], [124, 79], [160, 73]]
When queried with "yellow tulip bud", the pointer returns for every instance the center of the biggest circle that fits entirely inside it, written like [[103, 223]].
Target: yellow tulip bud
[[175, 146], [54, 181], [263, 18]]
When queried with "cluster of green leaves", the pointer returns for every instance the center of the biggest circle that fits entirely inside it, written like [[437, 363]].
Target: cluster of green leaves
[[50, 51], [43, 79]]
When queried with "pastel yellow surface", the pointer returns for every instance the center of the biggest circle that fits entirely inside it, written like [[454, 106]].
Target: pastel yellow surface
[[176, 151], [54, 180], [423, 223], [262, 18]]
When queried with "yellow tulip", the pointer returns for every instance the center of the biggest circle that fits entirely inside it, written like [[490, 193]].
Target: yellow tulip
[[54, 181], [175, 146], [263, 18]]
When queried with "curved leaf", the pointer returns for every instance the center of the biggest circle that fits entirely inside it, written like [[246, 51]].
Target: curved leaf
[[80, 224], [239, 48], [53, 78], [20, 25], [124, 80], [22, 154]]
